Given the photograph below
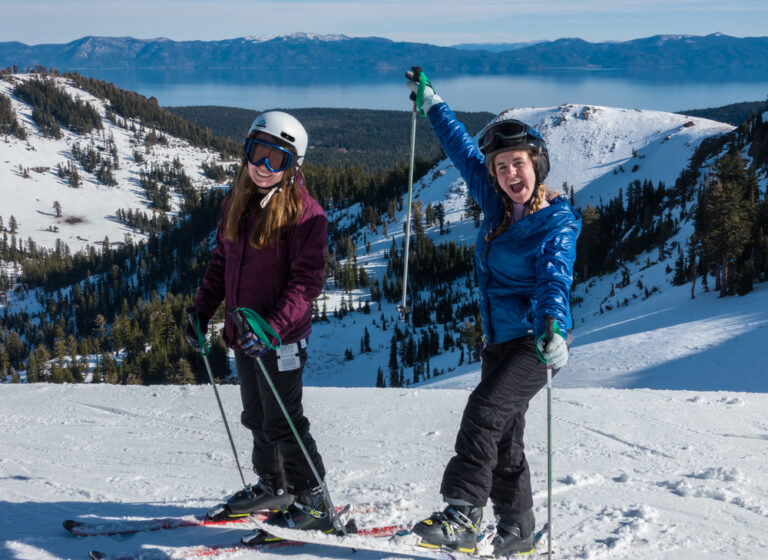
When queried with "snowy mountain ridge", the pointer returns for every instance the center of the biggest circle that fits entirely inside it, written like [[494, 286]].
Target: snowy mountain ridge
[[297, 36], [30, 183], [586, 145]]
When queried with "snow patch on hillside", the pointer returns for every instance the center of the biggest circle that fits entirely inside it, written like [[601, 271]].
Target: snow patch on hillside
[[586, 145], [89, 212]]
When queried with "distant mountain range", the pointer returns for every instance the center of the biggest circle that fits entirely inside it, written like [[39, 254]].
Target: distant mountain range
[[496, 47], [342, 53]]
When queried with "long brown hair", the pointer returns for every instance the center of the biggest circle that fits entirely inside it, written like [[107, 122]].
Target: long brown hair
[[540, 194], [282, 211]]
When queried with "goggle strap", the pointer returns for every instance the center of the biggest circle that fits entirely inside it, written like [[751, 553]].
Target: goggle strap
[[287, 154], [496, 132]]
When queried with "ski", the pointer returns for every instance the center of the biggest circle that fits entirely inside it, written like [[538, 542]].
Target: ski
[[212, 551], [397, 545], [118, 527], [200, 551], [128, 526]]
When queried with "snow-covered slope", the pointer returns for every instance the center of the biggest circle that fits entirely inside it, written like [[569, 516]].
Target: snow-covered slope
[[588, 143], [589, 146], [638, 474], [667, 342], [88, 212]]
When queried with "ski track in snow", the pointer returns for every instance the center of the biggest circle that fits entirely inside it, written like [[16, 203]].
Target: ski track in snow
[[637, 473]]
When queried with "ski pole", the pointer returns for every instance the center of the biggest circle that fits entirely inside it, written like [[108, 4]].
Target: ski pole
[[549, 462], [403, 308], [194, 320], [551, 326], [260, 324]]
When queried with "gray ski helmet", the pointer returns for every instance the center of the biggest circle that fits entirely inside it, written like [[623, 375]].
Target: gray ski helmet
[[285, 127], [505, 133]]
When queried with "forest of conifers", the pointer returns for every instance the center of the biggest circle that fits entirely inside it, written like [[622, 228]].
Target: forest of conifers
[[104, 316]]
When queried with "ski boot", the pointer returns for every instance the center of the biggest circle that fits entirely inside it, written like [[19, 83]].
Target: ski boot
[[308, 512], [251, 498], [514, 534], [455, 527]]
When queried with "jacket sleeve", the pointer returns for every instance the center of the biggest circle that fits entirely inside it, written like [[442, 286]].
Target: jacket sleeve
[[461, 148], [306, 258], [212, 289], [554, 277]]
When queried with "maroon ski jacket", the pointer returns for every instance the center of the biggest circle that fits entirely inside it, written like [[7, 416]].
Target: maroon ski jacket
[[278, 282]]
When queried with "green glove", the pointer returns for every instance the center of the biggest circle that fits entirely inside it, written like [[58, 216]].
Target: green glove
[[551, 346], [422, 92]]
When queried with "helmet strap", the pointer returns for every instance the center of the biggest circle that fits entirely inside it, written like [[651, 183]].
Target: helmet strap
[[276, 189], [268, 196]]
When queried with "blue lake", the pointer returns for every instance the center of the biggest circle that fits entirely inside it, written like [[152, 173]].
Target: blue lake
[[663, 91]]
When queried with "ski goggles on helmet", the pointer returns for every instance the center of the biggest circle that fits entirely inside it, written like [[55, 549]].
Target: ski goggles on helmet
[[275, 157], [506, 134]]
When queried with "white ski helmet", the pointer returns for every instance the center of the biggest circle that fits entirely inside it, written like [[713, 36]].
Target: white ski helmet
[[285, 127]]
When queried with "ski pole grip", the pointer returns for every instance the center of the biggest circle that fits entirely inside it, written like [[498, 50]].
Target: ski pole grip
[[549, 329], [414, 74], [191, 312], [194, 321], [237, 317]]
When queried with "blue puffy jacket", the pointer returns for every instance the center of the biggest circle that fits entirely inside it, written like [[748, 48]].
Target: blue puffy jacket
[[526, 272]]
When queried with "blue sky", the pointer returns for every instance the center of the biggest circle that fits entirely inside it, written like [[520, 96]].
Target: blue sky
[[446, 22]]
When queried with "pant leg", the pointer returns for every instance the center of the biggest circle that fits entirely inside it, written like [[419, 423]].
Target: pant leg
[[489, 444], [275, 429], [511, 491], [265, 455]]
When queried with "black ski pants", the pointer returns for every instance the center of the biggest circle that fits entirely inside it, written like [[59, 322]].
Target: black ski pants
[[277, 456], [490, 452]]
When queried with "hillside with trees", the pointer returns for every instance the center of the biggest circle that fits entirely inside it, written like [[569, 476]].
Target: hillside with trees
[[122, 304], [373, 140]]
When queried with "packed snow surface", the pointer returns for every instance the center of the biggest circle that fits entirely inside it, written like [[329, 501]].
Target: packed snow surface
[[637, 473]]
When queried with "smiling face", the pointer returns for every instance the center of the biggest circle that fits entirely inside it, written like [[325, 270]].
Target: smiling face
[[515, 174], [260, 174], [262, 177]]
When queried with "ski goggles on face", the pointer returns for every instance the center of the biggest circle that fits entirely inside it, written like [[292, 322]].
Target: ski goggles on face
[[275, 157], [505, 132]]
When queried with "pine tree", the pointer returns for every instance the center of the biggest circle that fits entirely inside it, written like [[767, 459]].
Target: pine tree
[[587, 252], [681, 271], [181, 373], [4, 362], [473, 210], [440, 216], [394, 380], [724, 217], [74, 177]]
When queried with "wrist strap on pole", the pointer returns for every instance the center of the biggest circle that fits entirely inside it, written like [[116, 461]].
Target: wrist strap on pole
[[260, 328]]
